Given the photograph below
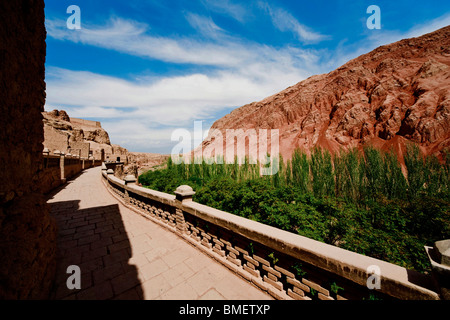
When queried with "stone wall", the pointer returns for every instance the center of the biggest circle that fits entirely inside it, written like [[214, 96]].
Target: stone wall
[[27, 233], [59, 140], [81, 149], [59, 168], [86, 123], [55, 139], [116, 157], [51, 175], [71, 170]]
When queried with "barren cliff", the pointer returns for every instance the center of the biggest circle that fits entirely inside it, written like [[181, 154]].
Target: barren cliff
[[84, 138], [72, 135]]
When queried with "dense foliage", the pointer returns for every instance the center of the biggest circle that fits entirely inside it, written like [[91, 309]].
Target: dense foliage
[[359, 201]]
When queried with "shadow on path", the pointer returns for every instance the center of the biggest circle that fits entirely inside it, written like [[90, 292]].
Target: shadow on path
[[94, 239]]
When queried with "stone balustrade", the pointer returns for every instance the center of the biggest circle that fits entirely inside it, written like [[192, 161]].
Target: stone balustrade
[[286, 265], [58, 167]]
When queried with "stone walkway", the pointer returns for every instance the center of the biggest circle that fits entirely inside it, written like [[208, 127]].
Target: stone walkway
[[123, 255]]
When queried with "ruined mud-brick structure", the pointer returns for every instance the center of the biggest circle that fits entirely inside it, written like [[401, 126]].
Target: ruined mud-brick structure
[[27, 233]]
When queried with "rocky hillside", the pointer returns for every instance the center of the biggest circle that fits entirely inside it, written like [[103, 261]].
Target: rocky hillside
[[397, 93], [63, 134], [71, 135]]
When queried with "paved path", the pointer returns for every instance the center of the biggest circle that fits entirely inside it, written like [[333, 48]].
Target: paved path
[[123, 255]]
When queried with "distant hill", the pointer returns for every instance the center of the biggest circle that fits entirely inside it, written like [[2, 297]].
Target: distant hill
[[87, 138]]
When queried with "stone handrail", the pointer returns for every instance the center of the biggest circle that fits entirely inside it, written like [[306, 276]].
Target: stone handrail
[[286, 265], [58, 167]]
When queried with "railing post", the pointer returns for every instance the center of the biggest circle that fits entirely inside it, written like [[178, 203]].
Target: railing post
[[182, 194], [61, 164], [46, 153], [79, 161], [129, 180], [439, 257]]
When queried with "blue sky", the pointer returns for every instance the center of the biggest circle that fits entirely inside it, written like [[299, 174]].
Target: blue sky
[[145, 68]]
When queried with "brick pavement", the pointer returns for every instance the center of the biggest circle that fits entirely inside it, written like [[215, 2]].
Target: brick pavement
[[123, 255]]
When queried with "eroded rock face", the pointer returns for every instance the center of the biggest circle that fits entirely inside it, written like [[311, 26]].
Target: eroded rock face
[[396, 93], [59, 115], [97, 135], [65, 135]]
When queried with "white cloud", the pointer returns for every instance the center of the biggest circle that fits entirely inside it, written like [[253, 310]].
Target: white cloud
[[204, 25], [131, 37], [167, 100], [138, 136], [236, 11], [284, 21], [219, 50]]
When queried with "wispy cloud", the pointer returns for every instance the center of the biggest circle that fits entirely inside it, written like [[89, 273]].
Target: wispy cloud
[[228, 54], [227, 7], [286, 22], [169, 100], [132, 37], [204, 25], [139, 136]]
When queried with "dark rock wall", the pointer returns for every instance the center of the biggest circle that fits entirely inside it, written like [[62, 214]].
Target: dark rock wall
[[27, 233]]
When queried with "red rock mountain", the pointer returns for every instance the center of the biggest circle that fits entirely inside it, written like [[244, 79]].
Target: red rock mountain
[[397, 92]]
